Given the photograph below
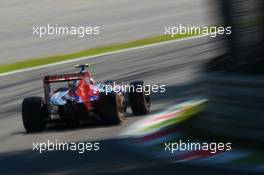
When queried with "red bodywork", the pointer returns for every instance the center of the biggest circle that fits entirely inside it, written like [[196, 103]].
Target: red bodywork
[[83, 90]]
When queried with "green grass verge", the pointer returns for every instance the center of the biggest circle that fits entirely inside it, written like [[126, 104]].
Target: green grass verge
[[88, 52]]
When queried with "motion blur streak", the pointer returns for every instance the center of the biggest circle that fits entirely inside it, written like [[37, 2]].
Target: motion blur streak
[[162, 136]]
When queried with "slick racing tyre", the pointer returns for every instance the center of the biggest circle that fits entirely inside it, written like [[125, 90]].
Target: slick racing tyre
[[34, 113], [110, 108], [139, 101]]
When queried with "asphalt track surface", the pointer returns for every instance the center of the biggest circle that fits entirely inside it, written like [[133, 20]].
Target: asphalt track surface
[[176, 65], [119, 20]]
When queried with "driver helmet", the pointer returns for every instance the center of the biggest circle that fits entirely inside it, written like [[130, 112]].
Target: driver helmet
[[91, 80]]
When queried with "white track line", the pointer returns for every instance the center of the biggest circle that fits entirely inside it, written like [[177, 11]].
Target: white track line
[[103, 54]]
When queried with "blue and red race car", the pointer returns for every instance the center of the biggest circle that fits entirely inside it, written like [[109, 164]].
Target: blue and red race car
[[83, 99]]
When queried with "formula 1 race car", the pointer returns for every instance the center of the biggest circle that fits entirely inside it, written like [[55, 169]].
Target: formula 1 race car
[[82, 99]]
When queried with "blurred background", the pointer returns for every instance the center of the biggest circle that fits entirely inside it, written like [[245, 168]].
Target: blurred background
[[119, 21], [226, 71]]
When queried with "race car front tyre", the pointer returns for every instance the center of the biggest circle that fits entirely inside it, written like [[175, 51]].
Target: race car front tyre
[[139, 99], [34, 113], [110, 108]]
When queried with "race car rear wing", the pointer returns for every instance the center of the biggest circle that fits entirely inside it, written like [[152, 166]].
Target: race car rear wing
[[61, 78], [58, 78]]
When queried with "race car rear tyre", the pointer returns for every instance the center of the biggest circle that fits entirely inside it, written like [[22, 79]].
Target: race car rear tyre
[[34, 113], [110, 108], [139, 100]]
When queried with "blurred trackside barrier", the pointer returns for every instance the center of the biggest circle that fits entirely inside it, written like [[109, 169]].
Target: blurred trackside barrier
[[234, 80], [235, 106]]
